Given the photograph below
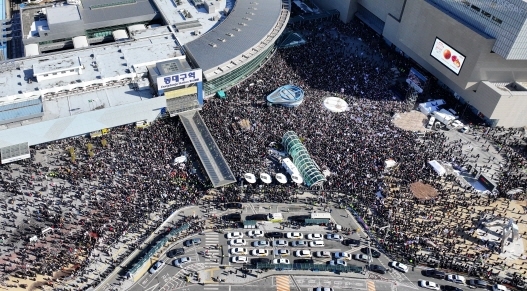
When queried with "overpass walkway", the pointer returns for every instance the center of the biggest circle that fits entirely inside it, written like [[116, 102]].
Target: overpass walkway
[[219, 172]]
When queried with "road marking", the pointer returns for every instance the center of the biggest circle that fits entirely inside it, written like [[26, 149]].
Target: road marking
[[210, 288], [371, 285], [282, 283]]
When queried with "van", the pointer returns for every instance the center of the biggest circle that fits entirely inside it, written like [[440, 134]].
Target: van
[[431, 122]]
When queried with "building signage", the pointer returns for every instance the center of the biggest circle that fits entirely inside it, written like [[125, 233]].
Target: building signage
[[447, 56], [509, 6], [179, 79]]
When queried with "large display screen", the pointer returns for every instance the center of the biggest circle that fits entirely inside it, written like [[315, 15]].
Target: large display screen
[[447, 56]]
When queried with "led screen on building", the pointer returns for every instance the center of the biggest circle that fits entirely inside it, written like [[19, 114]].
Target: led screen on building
[[447, 56]]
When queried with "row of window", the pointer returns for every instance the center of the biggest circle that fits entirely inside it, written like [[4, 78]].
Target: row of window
[[483, 12], [61, 72]]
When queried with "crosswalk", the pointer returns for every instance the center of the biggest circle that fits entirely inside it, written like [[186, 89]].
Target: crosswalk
[[282, 283], [212, 239]]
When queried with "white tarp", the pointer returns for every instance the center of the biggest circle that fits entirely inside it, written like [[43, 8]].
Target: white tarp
[[265, 178], [180, 160], [389, 163], [281, 178], [440, 170], [431, 106], [249, 177]]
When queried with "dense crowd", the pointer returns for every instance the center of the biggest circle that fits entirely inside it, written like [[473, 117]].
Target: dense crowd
[[92, 201]]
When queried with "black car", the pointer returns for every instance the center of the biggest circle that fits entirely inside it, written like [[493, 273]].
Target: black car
[[378, 269], [450, 288], [175, 252], [274, 234], [233, 205], [233, 217], [260, 261], [374, 252], [351, 242], [478, 283], [435, 274], [303, 261]]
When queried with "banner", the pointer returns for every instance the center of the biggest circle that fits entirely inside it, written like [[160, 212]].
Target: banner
[[179, 79]]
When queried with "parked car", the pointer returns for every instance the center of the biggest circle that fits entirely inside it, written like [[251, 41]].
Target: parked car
[[233, 217], [260, 243], [450, 288], [362, 258], [193, 241], [303, 261], [175, 252], [274, 234], [378, 269], [334, 236], [260, 261], [314, 236], [374, 252], [342, 255], [323, 254], [303, 253], [499, 287], [435, 273], [280, 243], [239, 251], [281, 252], [234, 235], [255, 233], [294, 235], [280, 261], [338, 262], [259, 253], [181, 261], [458, 279], [351, 242], [477, 284], [323, 289], [157, 265], [428, 285], [239, 260], [316, 244], [398, 266], [237, 242], [299, 243]]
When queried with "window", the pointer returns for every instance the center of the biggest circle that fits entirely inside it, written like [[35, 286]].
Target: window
[[465, 2], [496, 19], [54, 73], [485, 13], [72, 71], [45, 75], [475, 8]]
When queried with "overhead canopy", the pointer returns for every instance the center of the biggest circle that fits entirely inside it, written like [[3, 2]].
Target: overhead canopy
[[440, 170], [265, 178], [308, 169], [281, 178], [297, 178], [250, 178]]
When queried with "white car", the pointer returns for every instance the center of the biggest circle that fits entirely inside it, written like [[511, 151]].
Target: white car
[[334, 236], [259, 253], [323, 254], [260, 243], [498, 287], [428, 285], [255, 233], [303, 254], [456, 124], [315, 236], [156, 267], [280, 261], [237, 242], [456, 279], [239, 251], [234, 235], [181, 261], [281, 252], [239, 260], [362, 258], [280, 243], [398, 266], [295, 235], [338, 262], [316, 244], [342, 255], [299, 243], [324, 289]]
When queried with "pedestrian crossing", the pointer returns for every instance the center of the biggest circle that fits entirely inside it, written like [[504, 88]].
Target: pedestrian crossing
[[371, 285], [212, 252], [282, 283]]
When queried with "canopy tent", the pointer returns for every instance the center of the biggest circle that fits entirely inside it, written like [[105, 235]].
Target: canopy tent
[[221, 94], [281, 178], [250, 178], [389, 163], [440, 170], [180, 160], [297, 178], [265, 178]]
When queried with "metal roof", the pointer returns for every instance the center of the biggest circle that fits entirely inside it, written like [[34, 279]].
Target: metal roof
[[98, 11], [247, 25], [20, 110], [61, 14]]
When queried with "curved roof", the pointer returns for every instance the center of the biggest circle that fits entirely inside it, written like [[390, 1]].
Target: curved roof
[[248, 24], [288, 95], [307, 167]]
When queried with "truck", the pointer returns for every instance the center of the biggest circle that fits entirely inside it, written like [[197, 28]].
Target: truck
[[445, 118]]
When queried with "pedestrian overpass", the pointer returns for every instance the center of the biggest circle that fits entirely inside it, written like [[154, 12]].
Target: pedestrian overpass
[[215, 165]]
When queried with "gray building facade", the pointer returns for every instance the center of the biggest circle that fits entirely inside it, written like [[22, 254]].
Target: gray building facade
[[489, 42]]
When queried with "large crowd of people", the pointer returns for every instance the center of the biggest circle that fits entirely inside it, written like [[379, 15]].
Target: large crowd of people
[[91, 200]]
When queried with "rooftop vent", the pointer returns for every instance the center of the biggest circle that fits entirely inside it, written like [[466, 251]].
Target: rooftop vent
[[237, 29], [246, 18], [242, 24], [230, 34], [212, 44], [221, 39]]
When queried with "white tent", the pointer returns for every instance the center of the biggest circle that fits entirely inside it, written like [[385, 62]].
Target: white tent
[[281, 178], [250, 178], [389, 163], [180, 160], [297, 178], [440, 170], [265, 178]]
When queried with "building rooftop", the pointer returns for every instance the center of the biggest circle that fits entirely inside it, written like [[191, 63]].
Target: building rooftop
[[100, 11], [61, 14]]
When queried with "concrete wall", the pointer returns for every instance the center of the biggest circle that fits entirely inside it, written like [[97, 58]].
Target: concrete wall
[[381, 8], [347, 8], [415, 34]]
